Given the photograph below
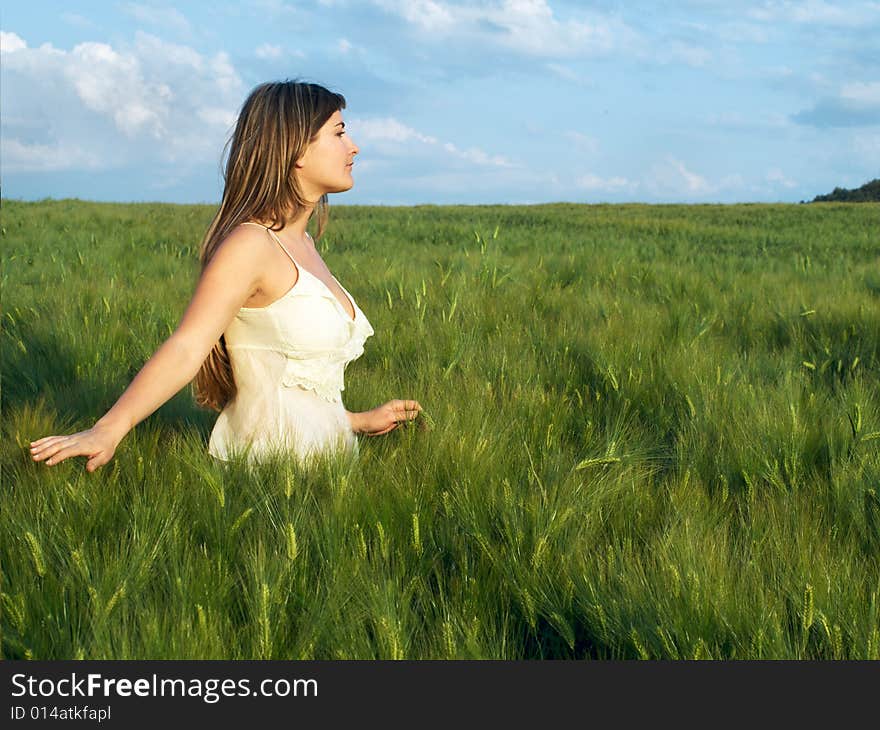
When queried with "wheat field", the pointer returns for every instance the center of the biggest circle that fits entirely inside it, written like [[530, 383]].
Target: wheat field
[[653, 432]]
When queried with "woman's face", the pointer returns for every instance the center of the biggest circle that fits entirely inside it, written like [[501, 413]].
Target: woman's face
[[325, 167]]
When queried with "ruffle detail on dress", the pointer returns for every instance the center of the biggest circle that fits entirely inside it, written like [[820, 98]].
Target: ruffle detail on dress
[[321, 375], [361, 330], [325, 374]]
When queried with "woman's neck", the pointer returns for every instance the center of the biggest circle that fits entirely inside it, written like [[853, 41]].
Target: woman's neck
[[295, 228]]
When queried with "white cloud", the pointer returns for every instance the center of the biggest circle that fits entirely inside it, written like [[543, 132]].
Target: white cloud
[[694, 183], [855, 104], [741, 32], [148, 46], [10, 43], [679, 52], [223, 74], [671, 178], [563, 72], [531, 27], [387, 129], [525, 26], [775, 176], [21, 156], [344, 45], [817, 13], [113, 85], [477, 156], [735, 120], [862, 93], [270, 52], [393, 138], [165, 18], [593, 182], [267, 51], [218, 116], [434, 17], [97, 105], [568, 74]]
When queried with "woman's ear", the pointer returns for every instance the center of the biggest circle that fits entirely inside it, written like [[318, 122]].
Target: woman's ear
[[298, 163]]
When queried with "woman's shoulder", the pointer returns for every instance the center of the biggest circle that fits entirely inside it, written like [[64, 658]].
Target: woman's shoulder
[[245, 241], [243, 248], [247, 232], [250, 251]]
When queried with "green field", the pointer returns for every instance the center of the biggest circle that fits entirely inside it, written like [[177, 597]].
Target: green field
[[655, 432]]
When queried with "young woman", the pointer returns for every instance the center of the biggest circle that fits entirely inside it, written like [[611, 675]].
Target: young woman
[[269, 330]]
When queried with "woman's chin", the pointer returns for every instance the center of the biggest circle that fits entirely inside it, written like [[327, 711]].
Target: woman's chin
[[342, 187]]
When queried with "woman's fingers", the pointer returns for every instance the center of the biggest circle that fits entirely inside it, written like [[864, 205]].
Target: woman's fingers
[[48, 449], [96, 461], [45, 443], [62, 453], [409, 409], [55, 449], [410, 416], [96, 444], [49, 442], [392, 414], [45, 439]]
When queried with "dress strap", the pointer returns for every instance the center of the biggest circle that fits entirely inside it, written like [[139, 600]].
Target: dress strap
[[277, 240]]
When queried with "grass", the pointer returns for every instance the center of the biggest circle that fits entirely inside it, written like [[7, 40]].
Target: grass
[[656, 434]]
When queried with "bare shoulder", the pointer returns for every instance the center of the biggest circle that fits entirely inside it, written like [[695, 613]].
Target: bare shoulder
[[243, 252], [244, 240], [234, 273]]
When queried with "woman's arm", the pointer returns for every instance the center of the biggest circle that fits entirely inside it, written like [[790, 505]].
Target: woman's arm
[[355, 420], [231, 277], [172, 366]]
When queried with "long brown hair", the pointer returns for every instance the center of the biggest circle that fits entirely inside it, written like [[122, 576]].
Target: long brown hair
[[275, 125]]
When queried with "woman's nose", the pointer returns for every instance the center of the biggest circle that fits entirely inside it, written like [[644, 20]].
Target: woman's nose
[[354, 148]]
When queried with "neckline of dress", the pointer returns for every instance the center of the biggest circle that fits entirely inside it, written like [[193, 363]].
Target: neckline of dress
[[300, 268]]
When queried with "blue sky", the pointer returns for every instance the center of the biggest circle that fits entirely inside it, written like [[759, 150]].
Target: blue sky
[[508, 101]]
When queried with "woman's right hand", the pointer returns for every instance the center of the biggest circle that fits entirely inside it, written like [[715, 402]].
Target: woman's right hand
[[388, 416], [97, 443]]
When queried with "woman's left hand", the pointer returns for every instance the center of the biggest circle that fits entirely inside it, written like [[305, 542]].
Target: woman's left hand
[[388, 416]]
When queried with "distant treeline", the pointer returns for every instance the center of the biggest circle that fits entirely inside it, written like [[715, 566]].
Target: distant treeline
[[869, 192]]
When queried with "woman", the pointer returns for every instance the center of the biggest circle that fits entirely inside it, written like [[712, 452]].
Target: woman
[[269, 330]]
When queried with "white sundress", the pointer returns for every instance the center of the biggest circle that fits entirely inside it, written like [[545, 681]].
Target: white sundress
[[288, 360]]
